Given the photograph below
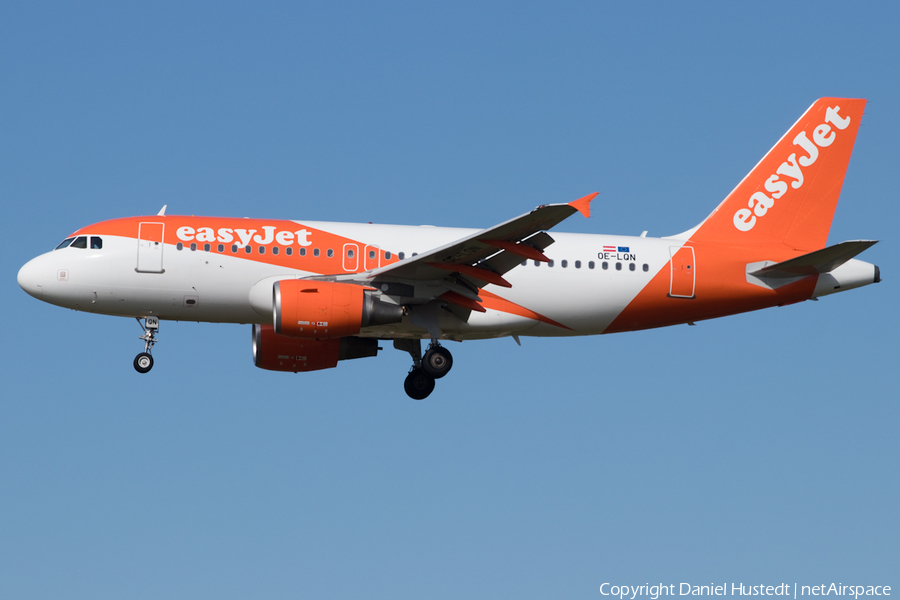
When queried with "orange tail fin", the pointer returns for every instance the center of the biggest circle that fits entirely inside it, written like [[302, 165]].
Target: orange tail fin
[[789, 197]]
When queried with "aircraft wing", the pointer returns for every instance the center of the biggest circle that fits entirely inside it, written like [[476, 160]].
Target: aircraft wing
[[456, 271], [483, 257]]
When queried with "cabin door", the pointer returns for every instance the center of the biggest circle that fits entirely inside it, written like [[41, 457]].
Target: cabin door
[[683, 272], [150, 248]]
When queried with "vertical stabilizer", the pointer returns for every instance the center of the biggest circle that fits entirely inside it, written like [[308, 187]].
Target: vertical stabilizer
[[789, 198]]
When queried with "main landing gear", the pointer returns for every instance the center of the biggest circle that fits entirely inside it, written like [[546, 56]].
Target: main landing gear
[[143, 362], [436, 363]]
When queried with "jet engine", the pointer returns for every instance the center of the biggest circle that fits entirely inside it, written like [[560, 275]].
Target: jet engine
[[327, 310], [276, 352]]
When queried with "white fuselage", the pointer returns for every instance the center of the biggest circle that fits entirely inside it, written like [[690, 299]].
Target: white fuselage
[[590, 280], [583, 289]]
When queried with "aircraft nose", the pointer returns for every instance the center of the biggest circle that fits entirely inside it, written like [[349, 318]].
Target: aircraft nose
[[30, 279]]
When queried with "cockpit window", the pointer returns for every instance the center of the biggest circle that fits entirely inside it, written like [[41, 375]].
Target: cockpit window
[[65, 243], [96, 243], [80, 242]]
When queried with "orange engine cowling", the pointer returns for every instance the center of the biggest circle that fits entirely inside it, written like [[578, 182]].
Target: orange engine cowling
[[281, 353], [324, 310]]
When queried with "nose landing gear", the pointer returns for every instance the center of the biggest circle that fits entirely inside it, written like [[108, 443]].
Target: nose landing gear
[[435, 364], [143, 362]]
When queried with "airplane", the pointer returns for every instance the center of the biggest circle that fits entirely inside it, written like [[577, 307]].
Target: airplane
[[317, 293]]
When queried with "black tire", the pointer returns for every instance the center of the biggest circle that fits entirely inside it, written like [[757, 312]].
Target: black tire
[[418, 384], [437, 362], [143, 362]]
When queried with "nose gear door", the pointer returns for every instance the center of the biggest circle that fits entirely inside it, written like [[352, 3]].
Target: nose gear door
[[150, 248]]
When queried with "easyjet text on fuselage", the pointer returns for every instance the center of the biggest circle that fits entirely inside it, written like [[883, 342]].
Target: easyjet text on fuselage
[[227, 235]]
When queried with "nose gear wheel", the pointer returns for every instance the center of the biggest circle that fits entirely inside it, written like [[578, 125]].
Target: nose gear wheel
[[143, 362]]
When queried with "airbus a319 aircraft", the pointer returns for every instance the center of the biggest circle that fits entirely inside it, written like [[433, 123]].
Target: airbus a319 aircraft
[[318, 293]]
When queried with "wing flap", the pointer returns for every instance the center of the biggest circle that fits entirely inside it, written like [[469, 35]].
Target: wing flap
[[477, 273]]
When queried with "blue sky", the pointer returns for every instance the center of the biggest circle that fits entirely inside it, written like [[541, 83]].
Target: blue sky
[[759, 448]]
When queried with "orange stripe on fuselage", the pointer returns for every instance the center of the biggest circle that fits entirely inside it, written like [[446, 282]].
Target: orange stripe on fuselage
[[230, 231]]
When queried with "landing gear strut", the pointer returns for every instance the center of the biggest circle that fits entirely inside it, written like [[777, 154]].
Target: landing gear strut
[[435, 364], [143, 362]]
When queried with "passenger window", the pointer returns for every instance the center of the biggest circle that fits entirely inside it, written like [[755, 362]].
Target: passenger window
[[206, 247], [632, 266], [591, 265], [234, 248], [221, 247], [64, 244], [524, 262], [550, 263], [96, 243], [262, 249], [577, 264], [605, 265], [646, 267], [564, 264], [179, 246], [193, 246], [316, 252], [618, 266], [248, 249], [80, 242], [302, 251], [289, 251], [330, 253], [275, 250], [401, 256], [537, 263], [387, 256], [349, 253], [371, 254]]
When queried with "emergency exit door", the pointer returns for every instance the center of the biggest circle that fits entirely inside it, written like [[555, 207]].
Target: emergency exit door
[[373, 257]]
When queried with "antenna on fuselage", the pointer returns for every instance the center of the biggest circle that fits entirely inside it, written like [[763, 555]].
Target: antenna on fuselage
[[162, 211]]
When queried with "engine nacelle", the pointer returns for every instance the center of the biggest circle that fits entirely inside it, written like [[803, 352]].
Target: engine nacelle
[[281, 353], [327, 310]]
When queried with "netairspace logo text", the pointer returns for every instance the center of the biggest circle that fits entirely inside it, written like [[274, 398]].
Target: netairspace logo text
[[654, 592]]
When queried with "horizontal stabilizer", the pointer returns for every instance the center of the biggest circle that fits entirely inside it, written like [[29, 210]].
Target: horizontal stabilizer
[[820, 261]]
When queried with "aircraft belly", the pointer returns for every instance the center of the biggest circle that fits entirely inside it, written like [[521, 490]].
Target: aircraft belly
[[490, 324], [493, 322]]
